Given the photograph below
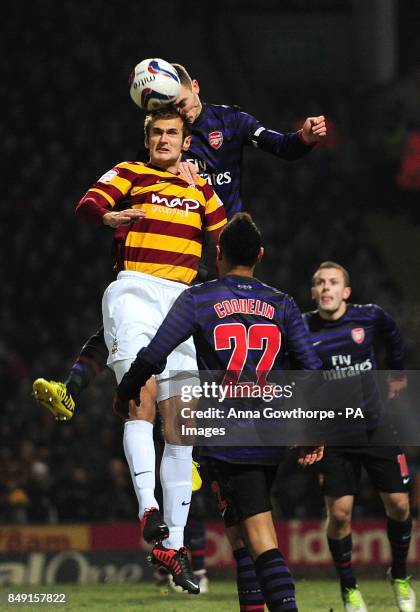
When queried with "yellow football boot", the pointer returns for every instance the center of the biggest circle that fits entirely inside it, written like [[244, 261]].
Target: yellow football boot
[[53, 395]]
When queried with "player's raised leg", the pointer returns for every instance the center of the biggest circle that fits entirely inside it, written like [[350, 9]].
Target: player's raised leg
[[60, 397]]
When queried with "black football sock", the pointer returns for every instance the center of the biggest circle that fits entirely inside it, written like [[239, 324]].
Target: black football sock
[[91, 361], [399, 535], [276, 581], [250, 595], [341, 551], [81, 375]]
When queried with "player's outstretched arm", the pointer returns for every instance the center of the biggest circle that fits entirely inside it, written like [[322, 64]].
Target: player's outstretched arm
[[313, 130], [288, 145]]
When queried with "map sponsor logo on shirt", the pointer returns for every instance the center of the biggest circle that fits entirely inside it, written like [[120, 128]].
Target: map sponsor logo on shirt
[[187, 203]]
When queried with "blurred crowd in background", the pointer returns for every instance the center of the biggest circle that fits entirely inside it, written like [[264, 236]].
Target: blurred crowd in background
[[337, 203]]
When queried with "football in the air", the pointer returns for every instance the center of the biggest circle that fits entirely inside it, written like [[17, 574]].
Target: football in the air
[[154, 83]]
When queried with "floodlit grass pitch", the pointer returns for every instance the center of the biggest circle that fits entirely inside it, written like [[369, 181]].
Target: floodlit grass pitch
[[313, 596]]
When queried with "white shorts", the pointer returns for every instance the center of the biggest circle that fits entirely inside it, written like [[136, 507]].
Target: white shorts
[[133, 307]]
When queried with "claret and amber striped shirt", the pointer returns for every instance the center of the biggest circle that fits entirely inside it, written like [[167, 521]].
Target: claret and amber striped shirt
[[167, 242]]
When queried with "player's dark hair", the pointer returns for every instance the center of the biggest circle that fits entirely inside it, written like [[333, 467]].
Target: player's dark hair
[[184, 77], [240, 240], [166, 112], [332, 264]]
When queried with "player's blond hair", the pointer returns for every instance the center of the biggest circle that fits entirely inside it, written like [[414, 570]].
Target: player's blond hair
[[336, 266], [184, 77]]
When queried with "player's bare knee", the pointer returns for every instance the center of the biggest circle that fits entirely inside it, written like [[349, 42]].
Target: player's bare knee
[[397, 506], [339, 517]]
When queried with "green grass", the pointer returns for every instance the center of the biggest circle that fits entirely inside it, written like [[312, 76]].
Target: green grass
[[313, 596]]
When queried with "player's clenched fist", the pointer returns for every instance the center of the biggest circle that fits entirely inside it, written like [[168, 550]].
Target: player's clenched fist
[[314, 129]]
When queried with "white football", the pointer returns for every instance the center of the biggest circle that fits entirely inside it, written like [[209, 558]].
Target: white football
[[154, 83]]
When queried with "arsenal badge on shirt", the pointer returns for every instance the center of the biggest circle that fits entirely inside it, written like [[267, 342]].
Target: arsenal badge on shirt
[[358, 335], [216, 139]]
